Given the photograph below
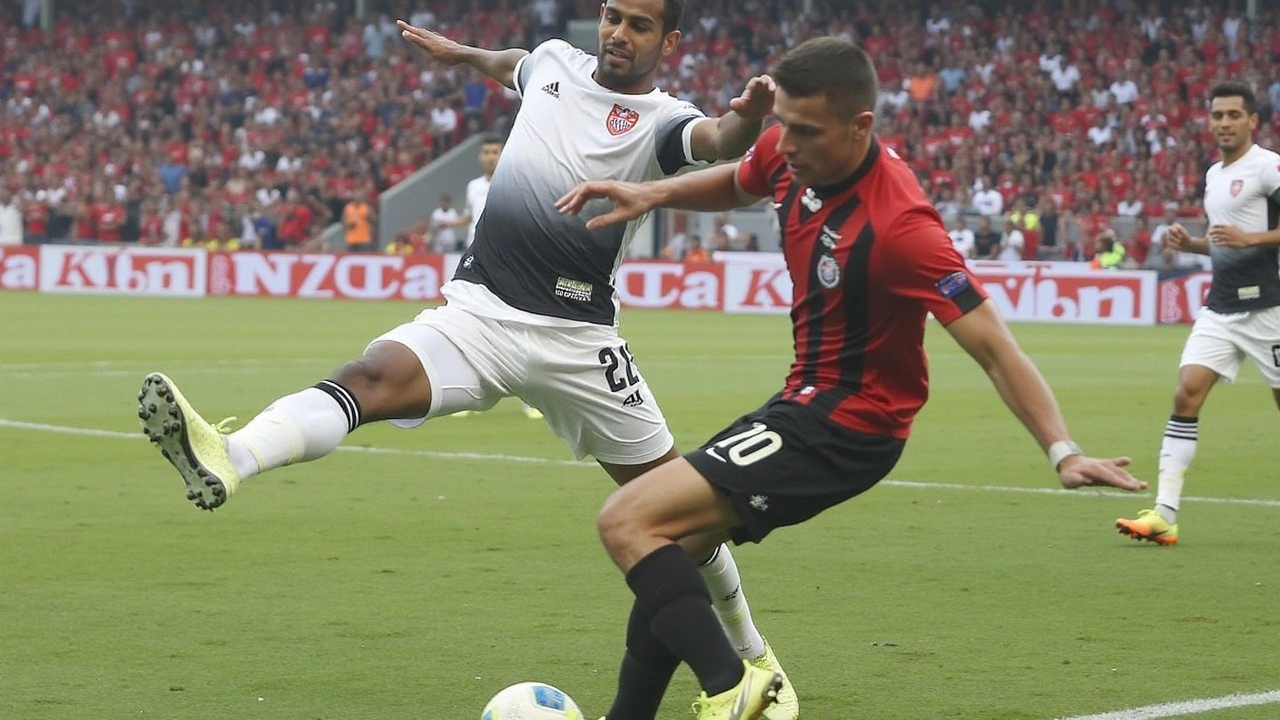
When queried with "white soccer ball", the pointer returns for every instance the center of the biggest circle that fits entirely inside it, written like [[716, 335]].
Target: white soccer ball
[[531, 701]]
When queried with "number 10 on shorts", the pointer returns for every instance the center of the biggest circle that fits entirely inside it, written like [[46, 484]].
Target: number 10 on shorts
[[747, 447]]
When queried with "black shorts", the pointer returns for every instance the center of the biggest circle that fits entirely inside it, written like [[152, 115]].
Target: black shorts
[[785, 463]]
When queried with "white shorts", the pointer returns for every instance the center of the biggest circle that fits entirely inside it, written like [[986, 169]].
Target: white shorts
[[1221, 341], [583, 379]]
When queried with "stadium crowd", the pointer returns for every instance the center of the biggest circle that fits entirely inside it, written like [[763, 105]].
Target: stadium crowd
[[252, 123]]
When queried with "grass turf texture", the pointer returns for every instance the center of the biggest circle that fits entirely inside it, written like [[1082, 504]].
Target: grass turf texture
[[415, 584]]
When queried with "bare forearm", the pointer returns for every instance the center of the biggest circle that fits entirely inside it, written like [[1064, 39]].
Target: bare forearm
[[735, 135], [1270, 238], [497, 64], [1196, 245], [709, 190], [1026, 393]]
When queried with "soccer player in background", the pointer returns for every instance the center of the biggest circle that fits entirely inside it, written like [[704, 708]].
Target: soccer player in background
[[1242, 315], [531, 311], [869, 258]]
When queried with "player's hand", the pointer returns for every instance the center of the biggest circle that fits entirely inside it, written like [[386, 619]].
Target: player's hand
[[439, 47], [630, 201], [1082, 471], [1228, 236], [756, 99], [1177, 237]]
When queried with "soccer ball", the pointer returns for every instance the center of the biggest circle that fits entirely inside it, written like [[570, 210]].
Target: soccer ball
[[531, 701]]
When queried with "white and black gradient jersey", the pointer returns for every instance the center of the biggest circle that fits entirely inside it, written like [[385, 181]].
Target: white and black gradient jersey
[[569, 129], [1245, 194]]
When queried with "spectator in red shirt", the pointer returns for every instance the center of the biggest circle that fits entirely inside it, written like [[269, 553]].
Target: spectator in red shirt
[[109, 217], [1138, 247], [295, 221]]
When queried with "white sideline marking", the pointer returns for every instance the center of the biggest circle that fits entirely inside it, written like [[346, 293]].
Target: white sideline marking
[[1186, 707], [127, 368], [493, 457]]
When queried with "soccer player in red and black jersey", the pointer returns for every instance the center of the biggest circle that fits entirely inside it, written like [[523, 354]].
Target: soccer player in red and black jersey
[[869, 259]]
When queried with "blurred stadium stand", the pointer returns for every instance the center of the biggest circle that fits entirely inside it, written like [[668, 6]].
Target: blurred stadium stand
[[194, 120]]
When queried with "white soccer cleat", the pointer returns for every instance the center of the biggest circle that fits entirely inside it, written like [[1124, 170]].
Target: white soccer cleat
[[194, 447]]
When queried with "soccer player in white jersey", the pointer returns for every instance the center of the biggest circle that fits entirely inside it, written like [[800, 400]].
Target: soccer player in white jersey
[[477, 195], [1242, 316], [531, 311]]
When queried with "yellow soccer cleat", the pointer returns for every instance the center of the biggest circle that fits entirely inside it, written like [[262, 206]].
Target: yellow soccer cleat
[[195, 448], [787, 705], [532, 412], [748, 700], [1149, 525]]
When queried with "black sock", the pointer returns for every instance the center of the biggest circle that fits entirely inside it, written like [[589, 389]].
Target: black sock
[[646, 671], [670, 590]]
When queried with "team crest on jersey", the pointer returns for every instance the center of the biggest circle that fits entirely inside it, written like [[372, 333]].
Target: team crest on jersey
[[828, 272], [1236, 187], [621, 119], [811, 200]]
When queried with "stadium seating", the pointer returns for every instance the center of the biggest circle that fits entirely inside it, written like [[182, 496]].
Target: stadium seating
[[192, 121]]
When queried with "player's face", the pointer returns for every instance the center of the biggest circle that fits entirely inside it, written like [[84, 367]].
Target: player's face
[[820, 147], [1231, 123], [632, 43], [489, 154]]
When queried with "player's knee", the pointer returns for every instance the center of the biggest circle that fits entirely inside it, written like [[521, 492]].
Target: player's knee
[[1188, 399], [360, 376], [616, 522]]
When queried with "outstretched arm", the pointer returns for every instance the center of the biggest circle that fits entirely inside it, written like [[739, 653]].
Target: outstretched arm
[[1177, 238], [497, 64], [984, 335], [730, 135], [711, 190]]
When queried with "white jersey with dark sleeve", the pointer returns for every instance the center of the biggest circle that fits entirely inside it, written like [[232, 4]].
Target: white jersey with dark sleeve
[[546, 266], [1245, 194]]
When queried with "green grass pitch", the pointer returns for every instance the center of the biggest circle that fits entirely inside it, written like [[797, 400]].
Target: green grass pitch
[[414, 581]]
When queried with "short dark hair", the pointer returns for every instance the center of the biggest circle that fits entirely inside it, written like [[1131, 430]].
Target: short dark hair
[[834, 67], [492, 139], [672, 15], [1238, 89]]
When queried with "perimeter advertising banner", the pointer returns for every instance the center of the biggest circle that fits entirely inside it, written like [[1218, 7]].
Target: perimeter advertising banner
[[735, 282]]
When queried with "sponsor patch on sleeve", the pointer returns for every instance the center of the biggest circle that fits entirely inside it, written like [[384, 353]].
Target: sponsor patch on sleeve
[[953, 284]]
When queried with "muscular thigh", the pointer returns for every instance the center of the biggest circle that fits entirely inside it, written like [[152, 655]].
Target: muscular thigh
[[1259, 338], [784, 463], [589, 386], [469, 361], [1215, 344]]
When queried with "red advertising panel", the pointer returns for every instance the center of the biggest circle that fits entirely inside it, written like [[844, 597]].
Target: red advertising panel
[[1182, 297], [19, 267], [327, 275]]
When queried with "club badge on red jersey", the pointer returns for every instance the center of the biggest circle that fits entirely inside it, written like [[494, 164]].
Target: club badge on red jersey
[[621, 119], [811, 201], [828, 272]]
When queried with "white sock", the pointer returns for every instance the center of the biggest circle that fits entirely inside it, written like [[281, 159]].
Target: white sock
[[720, 573], [296, 428], [1176, 453]]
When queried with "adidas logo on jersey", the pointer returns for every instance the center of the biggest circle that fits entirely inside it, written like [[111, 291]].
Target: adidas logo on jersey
[[552, 89], [635, 399]]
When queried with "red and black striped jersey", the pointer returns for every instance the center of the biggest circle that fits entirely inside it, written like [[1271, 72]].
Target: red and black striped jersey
[[869, 259]]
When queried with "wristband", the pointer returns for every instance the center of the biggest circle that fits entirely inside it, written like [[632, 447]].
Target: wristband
[[1062, 450]]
